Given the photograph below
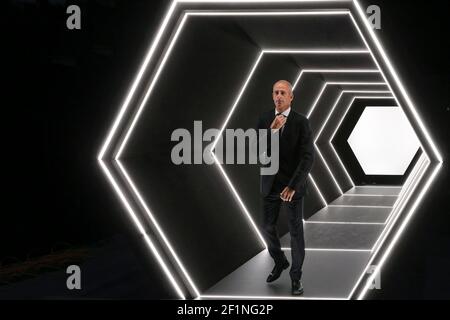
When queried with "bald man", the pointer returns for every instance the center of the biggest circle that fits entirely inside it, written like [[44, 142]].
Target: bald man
[[288, 186]]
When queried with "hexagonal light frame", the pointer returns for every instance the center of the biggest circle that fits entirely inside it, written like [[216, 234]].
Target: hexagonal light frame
[[408, 146], [330, 143], [108, 153]]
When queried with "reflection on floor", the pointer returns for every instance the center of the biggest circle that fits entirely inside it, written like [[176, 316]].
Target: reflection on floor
[[339, 241]]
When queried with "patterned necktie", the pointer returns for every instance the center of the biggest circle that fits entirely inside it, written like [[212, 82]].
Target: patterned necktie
[[282, 128]]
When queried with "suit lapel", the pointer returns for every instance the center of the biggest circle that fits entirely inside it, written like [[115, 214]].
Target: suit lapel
[[287, 125]]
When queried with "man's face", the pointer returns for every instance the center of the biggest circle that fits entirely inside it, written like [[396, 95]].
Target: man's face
[[282, 96]]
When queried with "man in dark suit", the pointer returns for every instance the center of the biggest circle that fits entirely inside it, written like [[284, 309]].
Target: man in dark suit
[[288, 185]]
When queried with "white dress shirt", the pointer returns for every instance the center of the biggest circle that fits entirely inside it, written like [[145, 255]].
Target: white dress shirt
[[284, 113]]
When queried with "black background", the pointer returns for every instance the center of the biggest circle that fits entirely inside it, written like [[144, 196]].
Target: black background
[[66, 86]]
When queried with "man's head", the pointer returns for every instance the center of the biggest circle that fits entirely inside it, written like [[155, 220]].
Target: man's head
[[282, 95]]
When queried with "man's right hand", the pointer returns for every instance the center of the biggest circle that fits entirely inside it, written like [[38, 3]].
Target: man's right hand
[[278, 122]]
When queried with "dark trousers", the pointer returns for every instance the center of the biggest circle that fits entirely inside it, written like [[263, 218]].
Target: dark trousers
[[294, 209]]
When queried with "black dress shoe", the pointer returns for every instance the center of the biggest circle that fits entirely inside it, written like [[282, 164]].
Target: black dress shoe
[[297, 288], [276, 272]]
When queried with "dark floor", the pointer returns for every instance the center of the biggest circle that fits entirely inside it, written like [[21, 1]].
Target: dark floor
[[111, 272], [339, 241]]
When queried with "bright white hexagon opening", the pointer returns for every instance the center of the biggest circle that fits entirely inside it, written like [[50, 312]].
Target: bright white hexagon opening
[[383, 141]]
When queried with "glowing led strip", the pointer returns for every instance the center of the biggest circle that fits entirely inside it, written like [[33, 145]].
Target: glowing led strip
[[417, 173], [378, 186], [335, 250], [379, 241], [329, 250], [372, 250], [152, 85], [136, 81], [325, 85], [155, 223], [416, 176], [340, 222], [315, 51], [319, 97], [337, 102], [304, 71], [241, 203], [112, 133], [323, 126], [368, 195], [394, 74], [399, 232], [262, 13], [357, 206], [356, 83], [122, 169], [141, 230], [350, 91], [318, 190], [265, 297], [411, 178], [260, 1], [421, 126]]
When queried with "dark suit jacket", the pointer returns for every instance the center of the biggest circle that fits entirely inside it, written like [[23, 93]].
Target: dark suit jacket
[[296, 153]]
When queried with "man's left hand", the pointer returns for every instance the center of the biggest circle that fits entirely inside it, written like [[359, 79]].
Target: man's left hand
[[287, 194]]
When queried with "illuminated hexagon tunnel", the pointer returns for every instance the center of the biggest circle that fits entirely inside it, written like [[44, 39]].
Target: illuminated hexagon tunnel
[[216, 62], [377, 150]]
